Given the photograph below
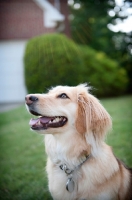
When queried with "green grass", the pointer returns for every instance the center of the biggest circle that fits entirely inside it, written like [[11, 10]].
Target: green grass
[[22, 153]]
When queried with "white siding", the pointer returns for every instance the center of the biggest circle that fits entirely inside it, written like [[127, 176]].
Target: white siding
[[12, 86]]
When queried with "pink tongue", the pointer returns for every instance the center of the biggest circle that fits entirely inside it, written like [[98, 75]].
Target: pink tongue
[[33, 121], [43, 120]]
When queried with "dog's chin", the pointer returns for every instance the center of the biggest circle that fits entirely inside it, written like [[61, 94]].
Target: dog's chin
[[43, 123]]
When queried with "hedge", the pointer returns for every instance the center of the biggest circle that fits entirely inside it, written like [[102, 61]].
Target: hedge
[[53, 59], [103, 73]]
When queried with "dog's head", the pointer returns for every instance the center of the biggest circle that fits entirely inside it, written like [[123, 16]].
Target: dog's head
[[66, 108]]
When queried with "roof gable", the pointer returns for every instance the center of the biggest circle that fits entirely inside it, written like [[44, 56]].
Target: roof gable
[[51, 14]]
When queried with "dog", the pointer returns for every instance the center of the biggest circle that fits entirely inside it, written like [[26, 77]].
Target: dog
[[80, 165]]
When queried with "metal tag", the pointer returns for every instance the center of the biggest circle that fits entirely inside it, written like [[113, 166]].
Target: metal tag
[[70, 185]]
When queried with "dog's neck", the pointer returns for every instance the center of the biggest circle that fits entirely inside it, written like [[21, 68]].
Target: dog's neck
[[67, 151]]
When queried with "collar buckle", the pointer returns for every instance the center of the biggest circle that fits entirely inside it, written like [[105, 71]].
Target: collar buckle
[[65, 169]]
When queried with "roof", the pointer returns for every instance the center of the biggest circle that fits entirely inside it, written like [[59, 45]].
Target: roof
[[51, 14]]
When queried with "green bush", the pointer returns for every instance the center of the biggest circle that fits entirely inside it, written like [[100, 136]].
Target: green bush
[[51, 60], [54, 59], [103, 73]]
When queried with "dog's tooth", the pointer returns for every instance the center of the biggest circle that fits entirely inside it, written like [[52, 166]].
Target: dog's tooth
[[54, 121], [38, 123], [57, 119], [61, 118]]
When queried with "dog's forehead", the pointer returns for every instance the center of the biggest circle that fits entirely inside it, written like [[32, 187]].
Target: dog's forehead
[[70, 90], [62, 89]]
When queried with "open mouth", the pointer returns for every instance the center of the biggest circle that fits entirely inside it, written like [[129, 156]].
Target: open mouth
[[44, 122]]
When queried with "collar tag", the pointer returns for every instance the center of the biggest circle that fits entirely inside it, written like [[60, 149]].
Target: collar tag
[[70, 184]]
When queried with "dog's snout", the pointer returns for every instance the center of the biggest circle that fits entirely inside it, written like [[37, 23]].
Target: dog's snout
[[29, 99]]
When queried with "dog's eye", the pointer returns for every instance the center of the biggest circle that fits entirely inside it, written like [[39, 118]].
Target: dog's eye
[[63, 96]]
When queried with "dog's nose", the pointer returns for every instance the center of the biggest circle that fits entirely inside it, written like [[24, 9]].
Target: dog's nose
[[29, 99]]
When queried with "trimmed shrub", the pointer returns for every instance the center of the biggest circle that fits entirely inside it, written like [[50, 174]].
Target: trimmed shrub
[[54, 59], [51, 60]]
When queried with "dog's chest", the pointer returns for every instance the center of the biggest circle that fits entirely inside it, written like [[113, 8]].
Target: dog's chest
[[84, 181], [83, 189], [55, 150]]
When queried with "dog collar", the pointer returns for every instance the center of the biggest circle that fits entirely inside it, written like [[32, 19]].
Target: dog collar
[[70, 184]]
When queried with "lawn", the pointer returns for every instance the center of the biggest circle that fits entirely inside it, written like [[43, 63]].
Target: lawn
[[22, 153]]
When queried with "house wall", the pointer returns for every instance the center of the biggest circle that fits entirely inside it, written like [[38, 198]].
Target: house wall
[[12, 84], [62, 6], [21, 19]]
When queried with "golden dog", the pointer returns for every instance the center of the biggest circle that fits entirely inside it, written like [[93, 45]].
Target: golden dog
[[80, 165]]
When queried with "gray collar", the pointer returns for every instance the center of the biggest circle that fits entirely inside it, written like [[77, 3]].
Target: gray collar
[[69, 171], [70, 184]]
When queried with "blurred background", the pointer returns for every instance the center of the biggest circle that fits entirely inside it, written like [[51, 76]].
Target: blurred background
[[98, 34], [44, 43]]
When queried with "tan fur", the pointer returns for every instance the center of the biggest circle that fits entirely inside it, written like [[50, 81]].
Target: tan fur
[[102, 176], [92, 116]]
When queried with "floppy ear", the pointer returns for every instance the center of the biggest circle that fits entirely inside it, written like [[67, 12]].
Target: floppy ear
[[91, 116]]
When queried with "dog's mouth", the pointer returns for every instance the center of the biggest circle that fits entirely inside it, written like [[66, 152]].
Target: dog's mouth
[[44, 122]]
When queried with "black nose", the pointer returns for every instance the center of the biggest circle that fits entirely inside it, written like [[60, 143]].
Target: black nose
[[29, 99], [33, 98]]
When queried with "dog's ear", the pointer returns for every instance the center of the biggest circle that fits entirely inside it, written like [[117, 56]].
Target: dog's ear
[[91, 116], [81, 115]]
